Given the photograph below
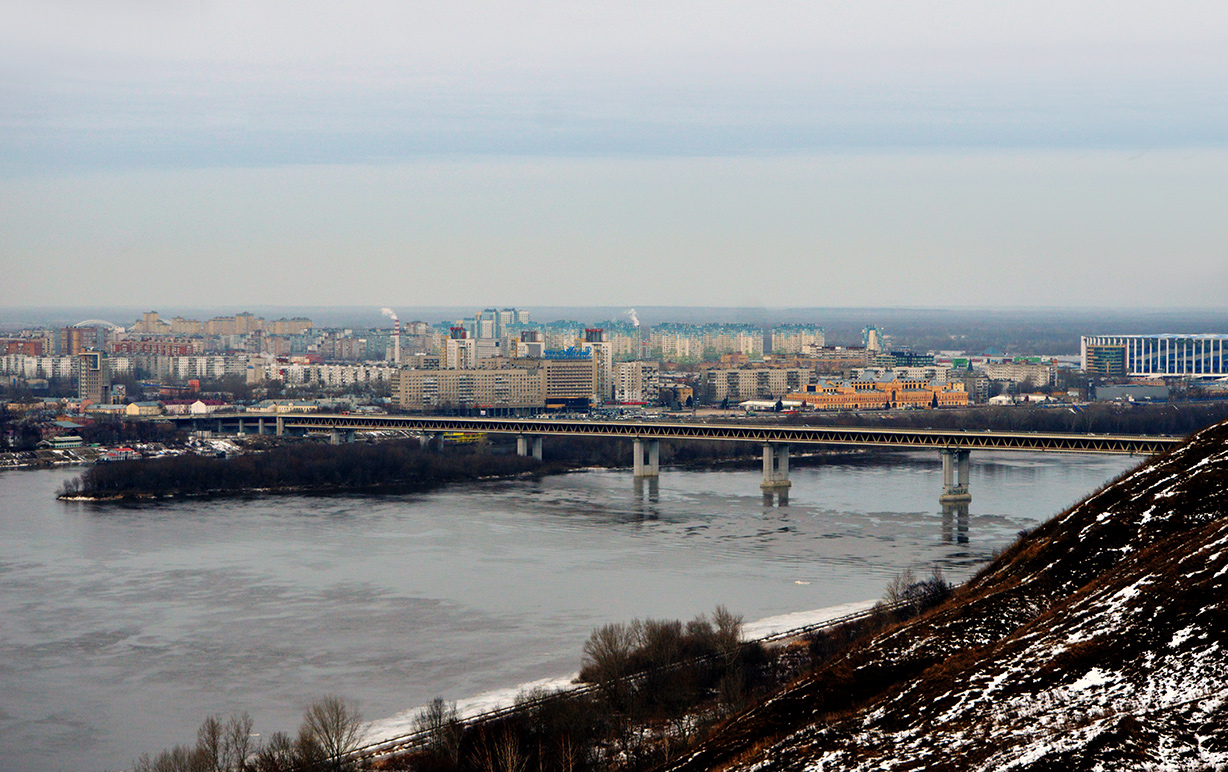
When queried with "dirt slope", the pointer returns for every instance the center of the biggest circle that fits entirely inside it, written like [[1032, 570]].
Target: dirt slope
[[1100, 641]]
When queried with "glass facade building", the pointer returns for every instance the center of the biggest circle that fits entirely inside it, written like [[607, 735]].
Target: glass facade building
[[1166, 355]]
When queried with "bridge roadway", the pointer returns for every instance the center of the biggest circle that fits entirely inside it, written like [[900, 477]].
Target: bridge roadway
[[776, 439]]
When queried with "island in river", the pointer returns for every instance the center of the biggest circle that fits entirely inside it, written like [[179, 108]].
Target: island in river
[[301, 467]]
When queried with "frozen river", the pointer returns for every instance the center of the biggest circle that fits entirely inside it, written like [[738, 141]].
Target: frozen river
[[122, 627]]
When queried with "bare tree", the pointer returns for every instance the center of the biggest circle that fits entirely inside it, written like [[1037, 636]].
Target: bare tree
[[277, 755], [898, 589], [501, 754], [335, 726], [661, 641], [607, 652], [441, 724], [728, 633], [209, 744], [237, 742], [181, 758]]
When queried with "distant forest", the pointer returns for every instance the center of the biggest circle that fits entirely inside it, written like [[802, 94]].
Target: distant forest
[[305, 466]]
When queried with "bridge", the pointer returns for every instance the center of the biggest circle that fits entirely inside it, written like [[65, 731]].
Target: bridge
[[954, 446]]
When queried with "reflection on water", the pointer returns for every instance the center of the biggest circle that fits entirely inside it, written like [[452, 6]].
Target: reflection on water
[[955, 521], [778, 497], [648, 496], [122, 627]]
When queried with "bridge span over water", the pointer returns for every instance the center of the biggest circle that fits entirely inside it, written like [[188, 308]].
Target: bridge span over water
[[646, 435]]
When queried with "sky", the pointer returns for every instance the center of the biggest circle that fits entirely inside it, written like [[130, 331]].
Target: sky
[[614, 153]]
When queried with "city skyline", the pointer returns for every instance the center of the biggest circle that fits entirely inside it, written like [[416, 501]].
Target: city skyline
[[832, 154]]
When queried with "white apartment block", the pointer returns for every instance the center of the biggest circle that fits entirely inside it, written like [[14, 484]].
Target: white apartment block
[[1018, 372], [794, 338], [753, 383], [636, 381]]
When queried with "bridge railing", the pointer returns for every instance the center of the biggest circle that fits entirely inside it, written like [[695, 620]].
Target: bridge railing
[[730, 432]]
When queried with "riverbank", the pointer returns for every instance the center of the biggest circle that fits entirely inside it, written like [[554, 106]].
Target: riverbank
[[403, 723]]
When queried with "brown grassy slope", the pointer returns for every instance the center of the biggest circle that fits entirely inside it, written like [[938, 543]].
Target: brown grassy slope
[[1100, 638]]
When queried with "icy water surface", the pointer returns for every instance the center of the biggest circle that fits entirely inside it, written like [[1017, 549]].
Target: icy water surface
[[122, 627]]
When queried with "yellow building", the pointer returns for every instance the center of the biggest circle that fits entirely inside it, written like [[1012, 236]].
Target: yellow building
[[143, 409], [880, 395]]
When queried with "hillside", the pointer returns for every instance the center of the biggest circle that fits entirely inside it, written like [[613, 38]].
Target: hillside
[[1099, 641]]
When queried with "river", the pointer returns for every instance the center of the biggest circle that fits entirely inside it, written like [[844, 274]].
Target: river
[[121, 627]]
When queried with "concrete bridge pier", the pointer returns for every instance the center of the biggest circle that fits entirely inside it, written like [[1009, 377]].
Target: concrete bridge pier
[[526, 443], [281, 426], [259, 426], [954, 475], [653, 466], [775, 468], [431, 440]]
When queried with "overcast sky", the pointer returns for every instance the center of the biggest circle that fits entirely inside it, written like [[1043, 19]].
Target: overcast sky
[[686, 153]]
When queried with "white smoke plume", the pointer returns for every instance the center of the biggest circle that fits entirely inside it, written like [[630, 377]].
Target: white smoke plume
[[388, 312], [635, 320]]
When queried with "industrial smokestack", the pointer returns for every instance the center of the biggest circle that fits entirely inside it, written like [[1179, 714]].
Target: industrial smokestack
[[396, 335]]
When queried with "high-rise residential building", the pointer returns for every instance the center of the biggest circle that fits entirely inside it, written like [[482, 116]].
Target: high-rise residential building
[[486, 324], [93, 377], [460, 352], [793, 338], [497, 392], [150, 324], [529, 344], [603, 362], [636, 381], [741, 384], [507, 318], [561, 335], [73, 340], [872, 339]]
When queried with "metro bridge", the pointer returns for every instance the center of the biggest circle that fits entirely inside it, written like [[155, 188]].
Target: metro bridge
[[954, 446]]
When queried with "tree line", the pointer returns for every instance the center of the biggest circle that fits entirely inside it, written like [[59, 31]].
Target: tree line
[[302, 466], [330, 732]]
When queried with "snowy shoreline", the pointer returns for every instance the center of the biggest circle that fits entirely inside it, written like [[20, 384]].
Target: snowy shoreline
[[402, 723]]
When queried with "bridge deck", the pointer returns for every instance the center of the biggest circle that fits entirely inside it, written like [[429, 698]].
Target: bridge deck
[[733, 432]]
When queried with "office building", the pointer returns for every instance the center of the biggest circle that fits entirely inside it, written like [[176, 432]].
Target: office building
[[1192, 356]]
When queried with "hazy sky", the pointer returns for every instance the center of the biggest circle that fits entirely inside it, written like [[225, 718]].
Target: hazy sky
[[685, 153]]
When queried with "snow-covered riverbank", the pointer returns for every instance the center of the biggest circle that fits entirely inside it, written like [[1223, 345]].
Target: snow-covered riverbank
[[403, 722]]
